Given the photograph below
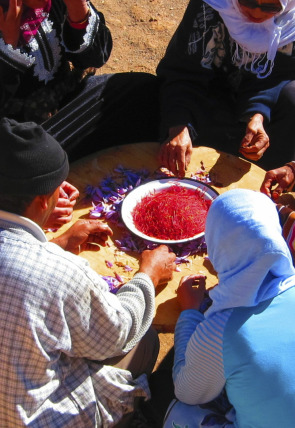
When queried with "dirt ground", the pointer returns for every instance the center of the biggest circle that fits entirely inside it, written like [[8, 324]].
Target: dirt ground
[[141, 31]]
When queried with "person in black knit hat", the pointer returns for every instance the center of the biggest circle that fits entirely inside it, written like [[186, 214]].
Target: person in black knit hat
[[24, 168], [33, 166], [73, 354], [13, 134]]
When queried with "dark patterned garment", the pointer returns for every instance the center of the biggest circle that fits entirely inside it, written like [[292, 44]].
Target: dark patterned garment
[[208, 84], [38, 78]]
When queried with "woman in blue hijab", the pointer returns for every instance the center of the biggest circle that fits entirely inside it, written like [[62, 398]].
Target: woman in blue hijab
[[243, 346]]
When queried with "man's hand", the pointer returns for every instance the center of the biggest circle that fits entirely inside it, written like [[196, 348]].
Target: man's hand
[[10, 22], [283, 177], [158, 264], [63, 211], [84, 235], [175, 152], [190, 292], [256, 140]]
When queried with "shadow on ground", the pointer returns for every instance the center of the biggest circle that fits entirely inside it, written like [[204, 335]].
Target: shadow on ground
[[151, 413]]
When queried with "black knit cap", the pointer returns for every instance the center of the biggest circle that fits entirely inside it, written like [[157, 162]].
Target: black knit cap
[[31, 161]]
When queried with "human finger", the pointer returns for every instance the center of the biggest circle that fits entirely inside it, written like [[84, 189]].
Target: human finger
[[187, 279], [250, 156], [65, 203], [276, 193], [59, 221], [251, 153], [69, 190], [247, 140], [165, 156], [250, 149], [191, 291], [89, 246], [181, 161], [96, 227], [13, 8], [63, 212], [98, 238], [158, 263], [64, 216], [188, 155], [194, 279], [19, 4], [74, 195], [62, 193], [254, 153], [267, 185], [172, 158], [200, 282]]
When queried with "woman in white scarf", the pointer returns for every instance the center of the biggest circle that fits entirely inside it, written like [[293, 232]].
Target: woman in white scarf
[[258, 30]]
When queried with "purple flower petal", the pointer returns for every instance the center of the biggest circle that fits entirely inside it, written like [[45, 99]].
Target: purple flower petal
[[118, 278], [107, 198]]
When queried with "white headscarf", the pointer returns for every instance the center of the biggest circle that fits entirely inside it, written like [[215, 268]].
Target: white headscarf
[[257, 41], [247, 249]]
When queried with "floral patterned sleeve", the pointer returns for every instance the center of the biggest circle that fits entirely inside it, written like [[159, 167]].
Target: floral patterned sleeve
[[287, 220]]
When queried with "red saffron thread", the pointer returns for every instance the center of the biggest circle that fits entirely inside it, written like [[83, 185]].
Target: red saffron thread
[[173, 213]]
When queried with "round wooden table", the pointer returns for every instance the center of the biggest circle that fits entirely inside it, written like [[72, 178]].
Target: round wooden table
[[227, 172]]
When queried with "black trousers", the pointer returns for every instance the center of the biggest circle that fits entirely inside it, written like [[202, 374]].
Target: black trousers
[[110, 110], [123, 108], [218, 127]]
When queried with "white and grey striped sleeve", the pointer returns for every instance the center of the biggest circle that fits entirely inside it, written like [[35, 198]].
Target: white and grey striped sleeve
[[198, 371]]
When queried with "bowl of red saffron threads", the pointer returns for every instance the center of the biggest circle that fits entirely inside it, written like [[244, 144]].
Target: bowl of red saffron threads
[[168, 211]]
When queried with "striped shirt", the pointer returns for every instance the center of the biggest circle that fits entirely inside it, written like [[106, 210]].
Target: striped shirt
[[198, 371]]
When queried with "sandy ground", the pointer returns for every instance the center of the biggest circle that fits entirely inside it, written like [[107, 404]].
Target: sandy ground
[[141, 31]]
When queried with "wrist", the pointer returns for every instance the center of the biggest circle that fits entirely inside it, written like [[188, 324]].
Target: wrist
[[181, 131], [291, 165], [79, 18], [177, 129], [10, 40], [257, 117], [60, 241], [154, 278]]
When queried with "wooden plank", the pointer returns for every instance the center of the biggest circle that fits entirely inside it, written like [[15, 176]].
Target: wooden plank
[[227, 172]]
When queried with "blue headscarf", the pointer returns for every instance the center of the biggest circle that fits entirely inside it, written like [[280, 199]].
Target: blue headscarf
[[247, 249]]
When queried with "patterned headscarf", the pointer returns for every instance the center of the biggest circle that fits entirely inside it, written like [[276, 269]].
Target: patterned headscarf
[[31, 20], [256, 44], [247, 250]]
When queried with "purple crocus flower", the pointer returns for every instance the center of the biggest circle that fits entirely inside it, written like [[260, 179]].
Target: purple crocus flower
[[113, 283], [108, 196]]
